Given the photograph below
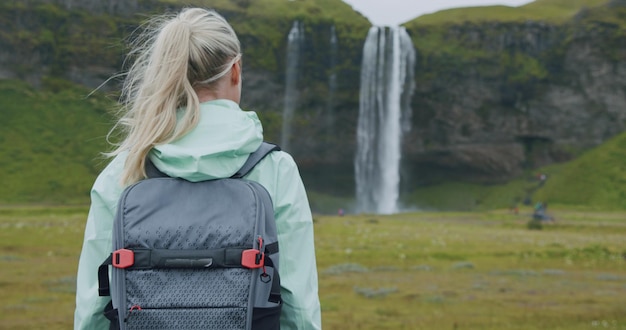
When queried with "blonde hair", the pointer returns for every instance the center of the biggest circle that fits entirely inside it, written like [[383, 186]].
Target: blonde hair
[[172, 55]]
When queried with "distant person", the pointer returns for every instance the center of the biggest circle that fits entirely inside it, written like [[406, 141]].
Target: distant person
[[181, 109], [540, 212], [542, 179]]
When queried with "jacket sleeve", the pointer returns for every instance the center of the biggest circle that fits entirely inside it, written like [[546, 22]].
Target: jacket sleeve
[[96, 248], [298, 270]]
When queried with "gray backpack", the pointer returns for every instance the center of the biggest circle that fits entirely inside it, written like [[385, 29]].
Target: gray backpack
[[194, 255]]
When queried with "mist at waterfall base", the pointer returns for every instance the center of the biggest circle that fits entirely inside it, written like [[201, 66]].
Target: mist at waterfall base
[[387, 85]]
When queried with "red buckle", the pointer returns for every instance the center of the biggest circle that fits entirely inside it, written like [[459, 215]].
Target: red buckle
[[123, 258], [252, 259]]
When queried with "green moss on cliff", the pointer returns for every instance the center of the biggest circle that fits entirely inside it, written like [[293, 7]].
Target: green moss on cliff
[[46, 34], [263, 25], [78, 37], [478, 32], [554, 11], [521, 68]]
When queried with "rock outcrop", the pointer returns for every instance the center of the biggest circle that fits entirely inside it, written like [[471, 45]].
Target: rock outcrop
[[530, 95]]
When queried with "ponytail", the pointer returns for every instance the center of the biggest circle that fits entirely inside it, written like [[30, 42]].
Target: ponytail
[[171, 57]]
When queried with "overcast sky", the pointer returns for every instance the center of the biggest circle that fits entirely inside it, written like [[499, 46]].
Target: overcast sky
[[396, 12]]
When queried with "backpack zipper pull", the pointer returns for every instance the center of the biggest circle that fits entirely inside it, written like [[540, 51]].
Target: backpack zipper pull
[[130, 311], [265, 277], [261, 254]]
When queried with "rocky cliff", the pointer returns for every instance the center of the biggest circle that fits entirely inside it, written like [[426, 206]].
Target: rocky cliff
[[492, 99], [503, 97]]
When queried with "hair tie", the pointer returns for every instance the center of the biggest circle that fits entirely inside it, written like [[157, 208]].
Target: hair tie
[[223, 73]]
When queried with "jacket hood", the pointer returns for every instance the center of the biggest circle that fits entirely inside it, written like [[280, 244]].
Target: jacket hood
[[216, 148]]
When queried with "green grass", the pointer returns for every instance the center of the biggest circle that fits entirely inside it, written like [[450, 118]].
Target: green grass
[[428, 270], [50, 143], [556, 11], [471, 271], [597, 179], [467, 196], [291, 9], [38, 256]]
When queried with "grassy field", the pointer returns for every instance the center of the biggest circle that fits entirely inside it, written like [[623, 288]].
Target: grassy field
[[426, 270]]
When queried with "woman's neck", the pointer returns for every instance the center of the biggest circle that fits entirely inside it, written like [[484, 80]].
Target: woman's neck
[[205, 95], [220, 91]]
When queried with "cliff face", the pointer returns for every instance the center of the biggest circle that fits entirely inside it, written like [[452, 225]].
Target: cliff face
[[528, 95], [42, 41], [491, 99], [494, 99]]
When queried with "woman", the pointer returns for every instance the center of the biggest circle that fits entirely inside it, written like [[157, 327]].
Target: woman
[[181, 108]]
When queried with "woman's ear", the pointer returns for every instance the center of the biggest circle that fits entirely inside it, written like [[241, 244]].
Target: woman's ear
[[235, 77]]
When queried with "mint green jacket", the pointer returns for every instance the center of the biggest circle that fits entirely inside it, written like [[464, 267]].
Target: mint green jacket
[[216, 148]]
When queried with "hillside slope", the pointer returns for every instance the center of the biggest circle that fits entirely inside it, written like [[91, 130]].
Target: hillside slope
[[50, 143], [556, 11], [597, 179], [594, 181]]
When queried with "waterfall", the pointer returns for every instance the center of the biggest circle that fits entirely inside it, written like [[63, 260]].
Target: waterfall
[[387, 84], [295, 40], [332, 80]]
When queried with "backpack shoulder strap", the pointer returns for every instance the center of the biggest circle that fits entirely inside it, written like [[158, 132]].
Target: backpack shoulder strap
[[152, 171], [255, 158]]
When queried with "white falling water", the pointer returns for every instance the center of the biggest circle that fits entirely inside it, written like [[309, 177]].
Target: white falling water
[[295, 40], [387, 83], [332, 79]]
